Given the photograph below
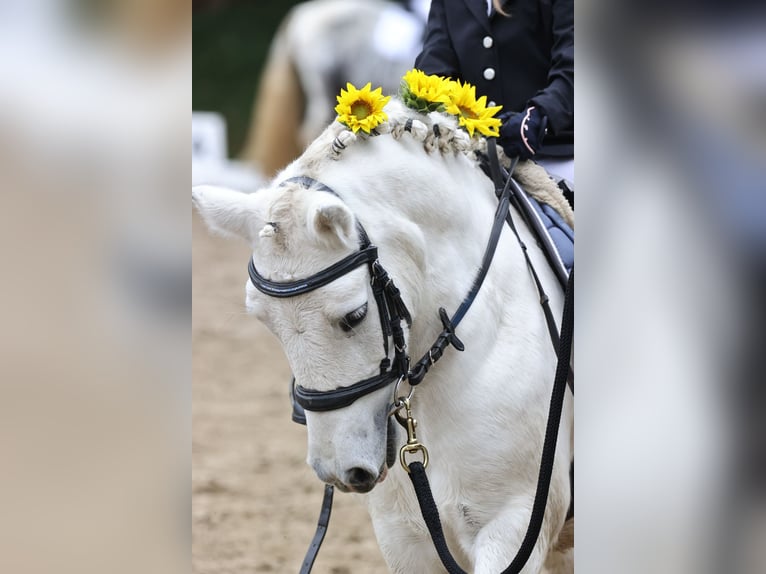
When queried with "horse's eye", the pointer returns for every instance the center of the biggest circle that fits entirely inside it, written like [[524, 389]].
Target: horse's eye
[[354, 318]]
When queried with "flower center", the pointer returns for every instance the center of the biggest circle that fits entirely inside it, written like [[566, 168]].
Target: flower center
[[361, 109], [467, 113]]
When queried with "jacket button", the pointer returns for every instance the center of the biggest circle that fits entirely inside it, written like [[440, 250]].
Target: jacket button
[[487, 42], [491, 104], [489, 73]]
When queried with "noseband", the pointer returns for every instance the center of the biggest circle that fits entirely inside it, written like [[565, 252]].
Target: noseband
[[391, 310]]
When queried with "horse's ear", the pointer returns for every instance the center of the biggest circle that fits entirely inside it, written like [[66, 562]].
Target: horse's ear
[[229, 212], [331, 221]]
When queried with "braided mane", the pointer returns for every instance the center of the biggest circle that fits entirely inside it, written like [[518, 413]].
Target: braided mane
[[439, 133]]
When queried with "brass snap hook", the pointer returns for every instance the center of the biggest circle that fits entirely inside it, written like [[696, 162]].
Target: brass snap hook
[[413, 446]]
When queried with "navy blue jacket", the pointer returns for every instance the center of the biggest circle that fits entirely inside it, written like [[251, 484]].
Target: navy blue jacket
[[517, 61]]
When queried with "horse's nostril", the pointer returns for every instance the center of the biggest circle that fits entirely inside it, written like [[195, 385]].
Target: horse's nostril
[[360, 479]]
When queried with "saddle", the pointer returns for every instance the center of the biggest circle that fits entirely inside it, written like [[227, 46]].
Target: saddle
[[554, 235]]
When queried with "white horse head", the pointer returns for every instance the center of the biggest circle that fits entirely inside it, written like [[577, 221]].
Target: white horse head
[[418, 192], [331, 336]]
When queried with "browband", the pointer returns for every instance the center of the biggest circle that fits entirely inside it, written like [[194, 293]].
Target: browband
[[324, 277]]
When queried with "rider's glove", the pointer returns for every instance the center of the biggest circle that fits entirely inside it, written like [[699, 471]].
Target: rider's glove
[[521, 134]]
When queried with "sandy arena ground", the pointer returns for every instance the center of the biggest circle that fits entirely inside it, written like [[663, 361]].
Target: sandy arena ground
[[255, 500]]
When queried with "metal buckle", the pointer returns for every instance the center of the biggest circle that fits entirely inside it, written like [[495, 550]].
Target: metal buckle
[[399, 402], [413, 446]]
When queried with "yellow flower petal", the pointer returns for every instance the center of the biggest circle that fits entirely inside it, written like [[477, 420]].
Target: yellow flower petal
[[473, 114], [424, 93], [361, 109]]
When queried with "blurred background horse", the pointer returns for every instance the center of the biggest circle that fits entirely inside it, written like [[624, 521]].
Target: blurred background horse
[[321, 45]]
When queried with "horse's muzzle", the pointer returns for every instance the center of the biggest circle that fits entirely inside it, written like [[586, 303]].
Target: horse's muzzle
[[361, 480]]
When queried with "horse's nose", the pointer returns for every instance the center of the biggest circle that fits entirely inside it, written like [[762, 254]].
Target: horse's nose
[[360, 479]]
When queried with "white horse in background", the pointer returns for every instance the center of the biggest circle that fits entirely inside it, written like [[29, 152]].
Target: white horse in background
[[426, 204], [321, 45]]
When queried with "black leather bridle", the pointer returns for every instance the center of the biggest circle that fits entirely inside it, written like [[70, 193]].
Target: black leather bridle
[[391, 310]]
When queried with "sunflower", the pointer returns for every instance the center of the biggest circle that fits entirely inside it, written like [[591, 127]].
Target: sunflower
[[473, 114], [361, 109], [425, 93]]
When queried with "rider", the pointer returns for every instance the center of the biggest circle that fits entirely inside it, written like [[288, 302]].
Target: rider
[[520, 54]]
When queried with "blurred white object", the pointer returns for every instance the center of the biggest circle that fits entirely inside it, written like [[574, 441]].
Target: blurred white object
[[210, 163], [321, 45], [398, 34], [208, 137]]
